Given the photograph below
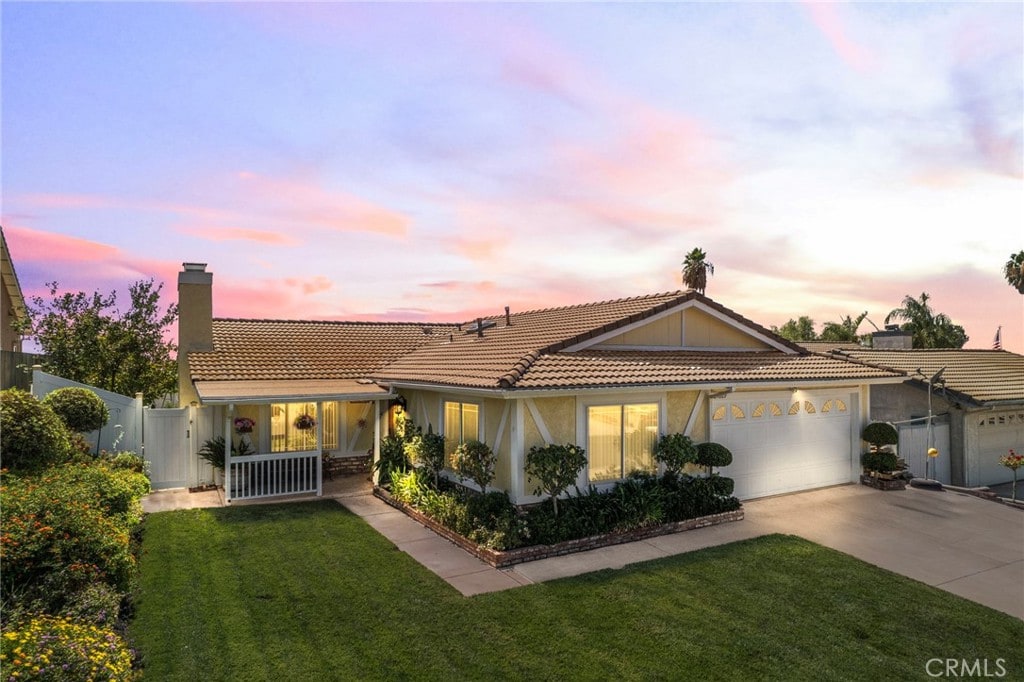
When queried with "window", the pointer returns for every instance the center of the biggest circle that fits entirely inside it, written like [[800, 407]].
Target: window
[[620, 439], [284, 437], [461, 423]]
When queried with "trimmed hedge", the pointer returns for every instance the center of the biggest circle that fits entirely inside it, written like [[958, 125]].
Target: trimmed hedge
[[80, 409], [34, 437]]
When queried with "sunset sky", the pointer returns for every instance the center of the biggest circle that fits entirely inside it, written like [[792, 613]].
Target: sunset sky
[[440, 161]]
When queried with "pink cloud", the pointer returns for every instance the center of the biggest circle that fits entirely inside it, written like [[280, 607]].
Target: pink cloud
[[827, 18], [61, 201], [310, 286], [224, 234], [48, 247]]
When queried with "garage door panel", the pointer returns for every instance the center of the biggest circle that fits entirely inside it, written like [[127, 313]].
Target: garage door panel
[[787, 452], [996, 435]]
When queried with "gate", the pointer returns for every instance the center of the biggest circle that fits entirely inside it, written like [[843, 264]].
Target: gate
[[913, 449], [167, 447]]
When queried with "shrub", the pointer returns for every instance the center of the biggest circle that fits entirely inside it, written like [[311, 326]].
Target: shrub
[[880, 461], [49, 648], [880, 434], [213, 451], [34, 437], [556, 467], [392, 458], [427, 451], [81, 410], [713, 455], [66, 529], [675, 451], [96, 603], [475, 460], [128, 461]]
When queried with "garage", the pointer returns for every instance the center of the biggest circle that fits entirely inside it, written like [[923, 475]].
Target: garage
[[997, 433], [786, 441]]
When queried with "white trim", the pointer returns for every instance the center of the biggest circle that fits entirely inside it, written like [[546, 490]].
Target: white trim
[[601, 338], [517, 447], [582, 435], [701, 397], [501, 427], [538, 420]]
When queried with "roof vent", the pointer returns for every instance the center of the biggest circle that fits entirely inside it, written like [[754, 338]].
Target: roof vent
[[479, 326], [508, 318]]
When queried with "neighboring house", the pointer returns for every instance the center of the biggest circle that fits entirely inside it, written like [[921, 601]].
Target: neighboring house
[[610, 376], [978, 406], [13, 312]]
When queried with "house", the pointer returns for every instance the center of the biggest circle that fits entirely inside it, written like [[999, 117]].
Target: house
[[610, 376], [977, 405], [13, 312]]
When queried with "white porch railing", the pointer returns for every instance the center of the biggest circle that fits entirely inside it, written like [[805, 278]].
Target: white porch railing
[[285, 473]]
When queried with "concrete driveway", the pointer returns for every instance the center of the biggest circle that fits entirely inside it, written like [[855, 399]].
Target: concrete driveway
[[956, 542]]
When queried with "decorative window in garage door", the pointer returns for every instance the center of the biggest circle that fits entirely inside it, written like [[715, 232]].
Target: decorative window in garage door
[[1002, 419], [834, 406]]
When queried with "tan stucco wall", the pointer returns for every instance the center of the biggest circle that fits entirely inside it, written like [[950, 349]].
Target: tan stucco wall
[[680, 406], [701, 331]]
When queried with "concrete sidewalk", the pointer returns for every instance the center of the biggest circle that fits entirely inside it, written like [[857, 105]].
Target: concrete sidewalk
[[956, 542]]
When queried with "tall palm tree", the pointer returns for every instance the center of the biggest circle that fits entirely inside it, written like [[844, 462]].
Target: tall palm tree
[[843, 331], [696, 269], [1014, 271], [929, 330]]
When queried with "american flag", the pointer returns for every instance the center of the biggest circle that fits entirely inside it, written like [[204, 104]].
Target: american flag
[[997, 343]]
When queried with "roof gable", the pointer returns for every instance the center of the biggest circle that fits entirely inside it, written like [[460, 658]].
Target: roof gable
[[10, 282]]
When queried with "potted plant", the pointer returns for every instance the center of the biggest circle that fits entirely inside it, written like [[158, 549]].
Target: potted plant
[[882, 468], [213, 452]]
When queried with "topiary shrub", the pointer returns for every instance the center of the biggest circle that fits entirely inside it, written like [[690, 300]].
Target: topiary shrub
[[675, 451], [475, 460], [880, 461], [713, 455], [555, 467], [880, 435], [33, 437], [81, 410]]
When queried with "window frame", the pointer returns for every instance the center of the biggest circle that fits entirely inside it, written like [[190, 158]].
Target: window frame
[[621, 400], [452, 443]]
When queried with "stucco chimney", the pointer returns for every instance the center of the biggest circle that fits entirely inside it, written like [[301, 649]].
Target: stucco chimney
[[892, 339], [195, 322]]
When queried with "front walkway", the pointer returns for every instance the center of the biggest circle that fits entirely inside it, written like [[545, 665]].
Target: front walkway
[[956, 542]]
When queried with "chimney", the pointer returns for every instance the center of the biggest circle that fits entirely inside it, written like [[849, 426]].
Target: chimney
[[195, 322], [508, 318], [893, 338]]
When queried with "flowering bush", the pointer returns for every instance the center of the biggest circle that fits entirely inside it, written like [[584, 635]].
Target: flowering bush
[[1012, 460], [66, 529], [244, 425], [305, 422], [49, 648]]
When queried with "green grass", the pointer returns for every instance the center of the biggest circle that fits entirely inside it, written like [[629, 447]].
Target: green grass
[[308, 591]]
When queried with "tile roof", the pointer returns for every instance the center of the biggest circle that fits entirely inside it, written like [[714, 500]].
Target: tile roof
[[829, 346], [978, 375], [289, 349], [530, 353]]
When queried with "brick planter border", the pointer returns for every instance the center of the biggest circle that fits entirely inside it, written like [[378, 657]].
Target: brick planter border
[[883, 483], [504, 559]]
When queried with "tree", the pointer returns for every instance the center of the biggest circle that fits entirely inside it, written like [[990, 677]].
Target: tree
[[555, 467], [86, 338], [675, 451], [843, 331], [929, 330], [797, 330], [475, 460], [1014, 271], [696, 269]]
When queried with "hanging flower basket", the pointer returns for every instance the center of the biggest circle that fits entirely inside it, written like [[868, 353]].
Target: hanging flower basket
[[305, 422], [244, 425]]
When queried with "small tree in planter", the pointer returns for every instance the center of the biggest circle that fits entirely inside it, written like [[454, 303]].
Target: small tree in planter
[[1012, 461], [475, 460], [713, 455], [427, 451], [880, 459], [675, 451], [556, 467]]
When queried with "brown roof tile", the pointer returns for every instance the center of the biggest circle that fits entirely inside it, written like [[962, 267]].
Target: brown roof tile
[[290, 349], [981, 376]]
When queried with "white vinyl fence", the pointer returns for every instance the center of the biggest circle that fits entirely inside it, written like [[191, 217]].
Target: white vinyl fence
[[122, 432], [913, 449]]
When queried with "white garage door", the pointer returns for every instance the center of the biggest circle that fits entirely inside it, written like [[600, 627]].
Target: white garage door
[[785, 441], [997, 433]]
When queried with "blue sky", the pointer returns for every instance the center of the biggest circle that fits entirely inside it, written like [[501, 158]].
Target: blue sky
[[438, 161]]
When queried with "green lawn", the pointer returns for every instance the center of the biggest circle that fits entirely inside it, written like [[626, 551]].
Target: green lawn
[[308, 591]]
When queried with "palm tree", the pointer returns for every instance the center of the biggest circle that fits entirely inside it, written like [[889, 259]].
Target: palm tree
[[696, 269], [1014, 271], [929, 330], [843, 331]]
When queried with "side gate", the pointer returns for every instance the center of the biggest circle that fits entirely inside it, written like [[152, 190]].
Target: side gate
[[913, 448], [168, 448]]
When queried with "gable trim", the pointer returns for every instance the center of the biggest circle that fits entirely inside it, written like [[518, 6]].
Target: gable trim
[[728, 320]]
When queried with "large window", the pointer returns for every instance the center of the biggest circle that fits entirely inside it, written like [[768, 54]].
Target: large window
[[285, 437], [461, 423], [620, 439]]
